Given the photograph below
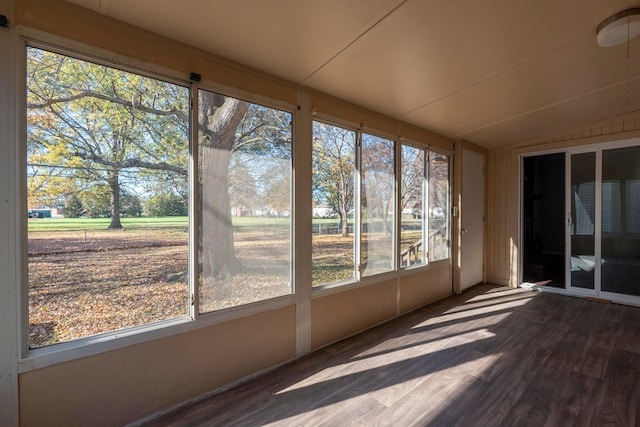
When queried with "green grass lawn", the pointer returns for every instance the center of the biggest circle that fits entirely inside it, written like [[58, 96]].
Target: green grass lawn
[[170, 222], [62, 224]]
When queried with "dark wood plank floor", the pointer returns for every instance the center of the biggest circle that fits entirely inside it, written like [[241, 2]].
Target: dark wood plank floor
[[491, 357]]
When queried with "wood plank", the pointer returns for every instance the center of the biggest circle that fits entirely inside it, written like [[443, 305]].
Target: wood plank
[[491, 356], [619, 399]]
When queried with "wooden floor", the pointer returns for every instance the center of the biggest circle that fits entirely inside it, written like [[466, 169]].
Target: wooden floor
[[492, 356]]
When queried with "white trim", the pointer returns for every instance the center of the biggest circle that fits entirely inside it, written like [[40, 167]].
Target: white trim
[[301, 214], [193, 266], [597, 231], [9, 233]]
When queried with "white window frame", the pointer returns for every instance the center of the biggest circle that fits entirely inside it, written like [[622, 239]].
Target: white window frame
[[31, 359]]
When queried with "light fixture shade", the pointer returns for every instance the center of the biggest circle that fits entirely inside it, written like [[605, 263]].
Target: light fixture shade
[[619, 28]]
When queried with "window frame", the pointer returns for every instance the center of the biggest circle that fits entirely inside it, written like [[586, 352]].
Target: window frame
[[248, 308], [359, 280], [448, 209], [356, 204], [31, 359], [425, 206], [396, 189]]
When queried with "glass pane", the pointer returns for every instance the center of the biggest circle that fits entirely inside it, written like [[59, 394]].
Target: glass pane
[[334, 155], [438, 206], [107, 157], [412, 205], [583, 214], [377, 205], [245, 202], [621, 242]]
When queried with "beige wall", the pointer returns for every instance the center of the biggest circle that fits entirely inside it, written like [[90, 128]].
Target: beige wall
[[133, 382], [504, 187], [343, 314], [124, 385], [419, 288]]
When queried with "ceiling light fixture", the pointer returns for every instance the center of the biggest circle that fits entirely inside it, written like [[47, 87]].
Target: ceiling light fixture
[[619, 28]]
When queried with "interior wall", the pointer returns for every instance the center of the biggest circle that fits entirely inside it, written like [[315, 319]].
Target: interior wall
[[419, 288], [504, 187], [343, 314], [124, 385], [135, 381]]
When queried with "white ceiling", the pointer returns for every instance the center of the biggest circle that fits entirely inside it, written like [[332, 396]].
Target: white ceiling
[[492, 72]]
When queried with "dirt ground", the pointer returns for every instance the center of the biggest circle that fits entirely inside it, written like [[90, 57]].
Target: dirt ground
[[87, 283]]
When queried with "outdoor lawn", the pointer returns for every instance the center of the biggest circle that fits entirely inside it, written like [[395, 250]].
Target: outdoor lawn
[[86, 280]]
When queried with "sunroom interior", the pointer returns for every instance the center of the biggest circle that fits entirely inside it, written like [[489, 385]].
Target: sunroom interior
[[476, 143]]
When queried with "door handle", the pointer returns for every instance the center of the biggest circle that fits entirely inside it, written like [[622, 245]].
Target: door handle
[[464, 230]]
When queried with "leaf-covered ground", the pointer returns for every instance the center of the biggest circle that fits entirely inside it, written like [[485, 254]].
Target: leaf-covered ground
[[82, 293], [87, 283]]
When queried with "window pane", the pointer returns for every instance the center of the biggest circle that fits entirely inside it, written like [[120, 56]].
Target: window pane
[[611, 207], [107, 194], [438, 206], [377, 205], [632, 208], [620, 263], [583, 212], [245, 202], [412, 204], [334, 154]]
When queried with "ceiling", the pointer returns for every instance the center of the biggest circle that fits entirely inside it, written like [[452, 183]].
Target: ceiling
[[493, 72]]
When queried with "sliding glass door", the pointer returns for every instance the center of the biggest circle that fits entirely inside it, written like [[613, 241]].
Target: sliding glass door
[[620, 237], [601, 201], [603, 221]]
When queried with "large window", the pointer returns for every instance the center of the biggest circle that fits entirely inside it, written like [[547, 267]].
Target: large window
[[439, 207], [244, 177], [377, 183], [352, 240], [111, 201], [334, 171], [424, 210], [412, 204], [107, 156]]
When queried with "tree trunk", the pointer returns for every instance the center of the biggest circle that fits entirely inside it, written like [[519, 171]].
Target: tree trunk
[[344, 220], [114, 188], [220, 118]]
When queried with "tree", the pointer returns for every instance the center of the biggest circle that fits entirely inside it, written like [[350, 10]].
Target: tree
[[91, 125], [219, 117], [97, 201], [377, 179], [73, 208], [130, 205], [96, 127], [412, 178], [235, 138], [334, 169], [167, 204]]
